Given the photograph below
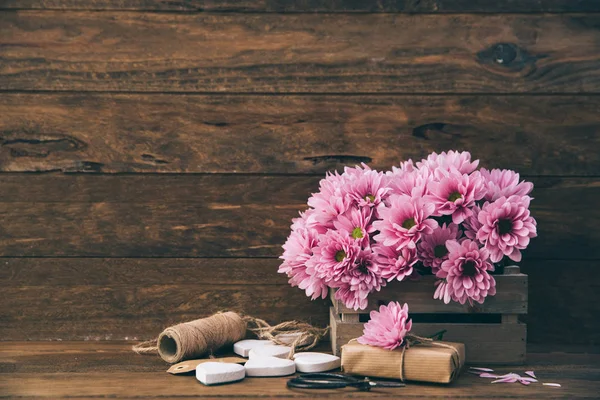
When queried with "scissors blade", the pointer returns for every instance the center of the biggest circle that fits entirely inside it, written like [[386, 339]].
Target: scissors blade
[[386, 384]]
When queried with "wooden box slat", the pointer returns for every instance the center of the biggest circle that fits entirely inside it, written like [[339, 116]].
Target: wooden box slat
[[510, 298], [497, 341], [485, 343]]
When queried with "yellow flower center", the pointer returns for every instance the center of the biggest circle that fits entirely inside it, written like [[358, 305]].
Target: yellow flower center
[[409, 223], [454, 196], [357, 233]]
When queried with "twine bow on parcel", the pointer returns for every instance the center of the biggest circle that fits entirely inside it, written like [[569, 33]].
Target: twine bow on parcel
[[196, 338], [414, 340]]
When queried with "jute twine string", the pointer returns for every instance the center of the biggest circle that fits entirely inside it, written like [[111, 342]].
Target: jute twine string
[[414, 340], [308, 336], [196, 338]]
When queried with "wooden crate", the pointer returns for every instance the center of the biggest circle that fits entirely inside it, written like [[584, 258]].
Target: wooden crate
[[491, 331]]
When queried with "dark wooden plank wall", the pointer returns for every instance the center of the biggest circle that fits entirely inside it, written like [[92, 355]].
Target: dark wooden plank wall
[[152, 153]]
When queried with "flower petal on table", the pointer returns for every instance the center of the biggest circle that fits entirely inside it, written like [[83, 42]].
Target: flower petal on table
[[510, 379], [524, 378], [531, 374], [488, 375], [552, 384], [482, 369], [524, 382]]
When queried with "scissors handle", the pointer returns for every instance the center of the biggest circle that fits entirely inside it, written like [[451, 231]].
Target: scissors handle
[[327, 381]]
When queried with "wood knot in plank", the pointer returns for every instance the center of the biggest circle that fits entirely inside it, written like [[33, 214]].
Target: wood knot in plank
[[508, 56], [39, 145]]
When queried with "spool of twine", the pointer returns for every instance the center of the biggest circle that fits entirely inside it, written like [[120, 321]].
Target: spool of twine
[[195, 338]]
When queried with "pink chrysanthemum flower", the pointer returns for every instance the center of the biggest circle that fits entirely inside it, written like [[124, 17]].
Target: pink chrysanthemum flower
[[366, 187], [471, 224], [387, 327], [432, 248], [404, 221], [455, 194], [395, 264], [357, 222], [330, 201], [460, 161], [413, 183], [506, 227], [504, 183], [298, 249], [360, 279], [334, 254], [466, 273]]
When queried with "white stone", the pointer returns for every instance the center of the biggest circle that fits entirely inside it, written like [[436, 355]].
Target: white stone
[[214, 373], [243, 347], [269, 366], [316, 362], [270, 351]]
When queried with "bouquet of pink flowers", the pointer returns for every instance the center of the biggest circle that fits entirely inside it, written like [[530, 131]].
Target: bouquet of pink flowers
[[441, 216]]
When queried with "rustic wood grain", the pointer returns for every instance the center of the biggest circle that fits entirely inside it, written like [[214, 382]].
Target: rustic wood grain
[[153, 52], [226, 217], [485, 344], [64, 272], [536, 135], [511, 298], [92, 370], [134, 311], [560, 310], [413, 6]]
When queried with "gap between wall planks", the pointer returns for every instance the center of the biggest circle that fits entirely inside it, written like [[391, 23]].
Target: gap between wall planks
[[115, 298], [389, 6], [302, 53], [223, 215], [535, 135]]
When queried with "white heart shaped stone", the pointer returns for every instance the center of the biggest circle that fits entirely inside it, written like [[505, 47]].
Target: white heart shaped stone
[[213, 373], [269, 366], [270, 351], [316, 362], [243, 347]]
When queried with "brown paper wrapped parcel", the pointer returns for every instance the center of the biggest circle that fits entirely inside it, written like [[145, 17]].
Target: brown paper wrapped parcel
[[425, 362]]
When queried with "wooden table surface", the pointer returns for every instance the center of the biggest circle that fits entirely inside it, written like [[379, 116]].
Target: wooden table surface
[[86, 370]]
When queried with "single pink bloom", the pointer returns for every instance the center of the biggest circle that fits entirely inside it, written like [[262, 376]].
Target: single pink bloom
[[460, 161], [298, 250], [387, 327], [404, 221], [455, 194], [395, 264], [330, 201], [432, 248], [365, 187], [466, 272], [357, 222], [411, 183], [360, 279], [504, 183], [506, 227], [334, 255]]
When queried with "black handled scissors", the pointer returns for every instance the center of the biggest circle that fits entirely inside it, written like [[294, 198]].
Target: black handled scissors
[[337, 381]]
